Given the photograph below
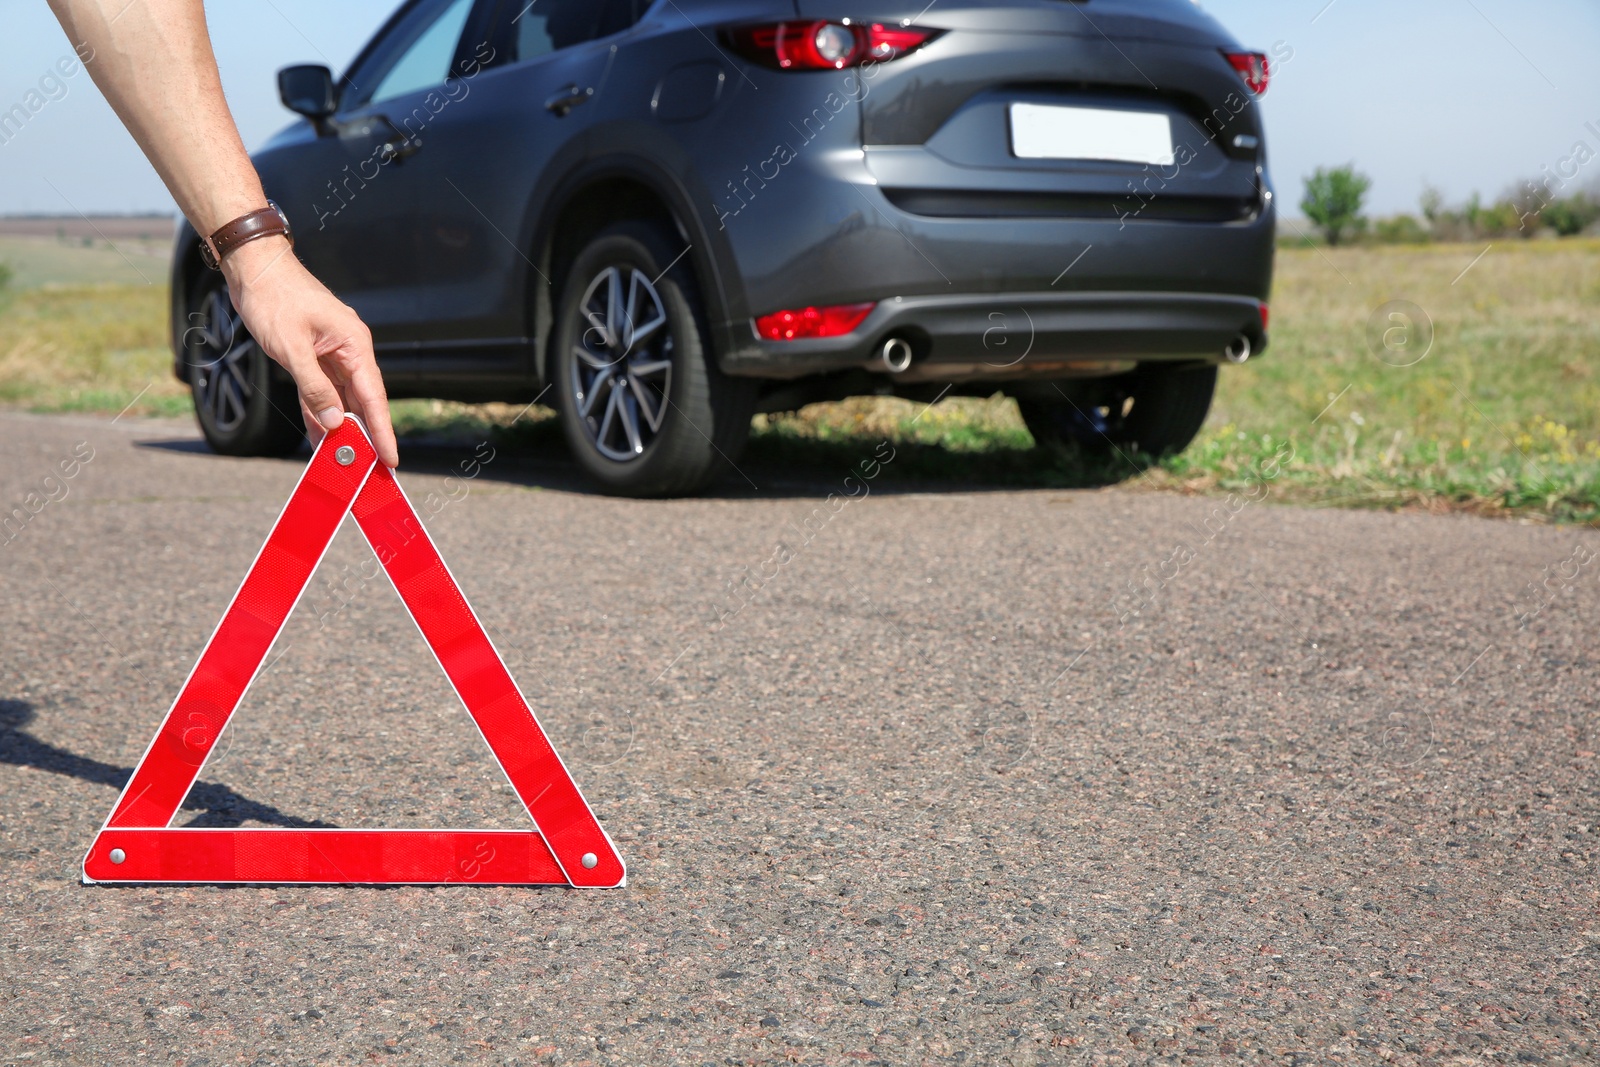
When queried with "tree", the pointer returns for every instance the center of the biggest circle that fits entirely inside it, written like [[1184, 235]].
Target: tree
[[1333, 200], [1432, 203]]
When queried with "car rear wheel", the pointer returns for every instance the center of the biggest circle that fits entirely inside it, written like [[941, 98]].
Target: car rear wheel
[[643, 404], [245, 403], [1155, 410]]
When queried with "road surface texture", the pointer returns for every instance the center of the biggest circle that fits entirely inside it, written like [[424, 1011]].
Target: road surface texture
[[943, 790]]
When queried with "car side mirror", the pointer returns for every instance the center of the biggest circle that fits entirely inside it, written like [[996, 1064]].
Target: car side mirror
[[308, 90]]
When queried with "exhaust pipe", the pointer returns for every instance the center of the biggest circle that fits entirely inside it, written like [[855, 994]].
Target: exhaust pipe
[[1237, 350], [896, 355]]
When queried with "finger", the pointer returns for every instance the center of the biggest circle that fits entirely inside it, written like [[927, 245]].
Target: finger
[[314, 432], [368, 399], [319, 398]]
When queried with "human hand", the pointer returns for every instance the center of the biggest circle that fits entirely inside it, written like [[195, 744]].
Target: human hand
[[314, 336]]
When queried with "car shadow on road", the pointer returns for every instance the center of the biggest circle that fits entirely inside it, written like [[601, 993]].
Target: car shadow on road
[[773, 467], [218, 806], [916, 467], [796, 469]]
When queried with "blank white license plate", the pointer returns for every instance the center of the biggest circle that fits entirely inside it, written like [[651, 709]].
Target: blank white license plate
[[1048, 131]]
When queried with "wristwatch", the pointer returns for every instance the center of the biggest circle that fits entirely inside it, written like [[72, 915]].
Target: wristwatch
[[269, 221]]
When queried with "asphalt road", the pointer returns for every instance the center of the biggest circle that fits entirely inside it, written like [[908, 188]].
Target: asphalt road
[[934, 794]]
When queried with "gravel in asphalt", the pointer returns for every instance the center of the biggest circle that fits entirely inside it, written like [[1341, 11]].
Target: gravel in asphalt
[[960, 776]]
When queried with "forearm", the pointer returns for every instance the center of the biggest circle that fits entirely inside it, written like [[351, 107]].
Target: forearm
[[153, 61]]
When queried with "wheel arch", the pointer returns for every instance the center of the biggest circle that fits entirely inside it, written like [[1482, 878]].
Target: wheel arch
[[603, 191]]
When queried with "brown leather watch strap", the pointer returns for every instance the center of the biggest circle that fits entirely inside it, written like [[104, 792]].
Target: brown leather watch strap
[[270, 221]]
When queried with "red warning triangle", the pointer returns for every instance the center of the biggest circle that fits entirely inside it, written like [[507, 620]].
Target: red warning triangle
[[567, 845]]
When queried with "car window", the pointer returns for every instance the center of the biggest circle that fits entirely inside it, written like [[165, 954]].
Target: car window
[[538, 27], [424, 62]]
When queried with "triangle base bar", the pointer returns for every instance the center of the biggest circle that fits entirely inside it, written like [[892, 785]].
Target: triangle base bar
[[324, 857]]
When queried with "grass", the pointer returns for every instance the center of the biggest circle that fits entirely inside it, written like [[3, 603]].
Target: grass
[[88, 348], [1501, 416]]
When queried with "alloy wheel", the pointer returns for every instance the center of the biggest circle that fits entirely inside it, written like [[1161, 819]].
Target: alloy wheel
[[622, 365], [220, 356]]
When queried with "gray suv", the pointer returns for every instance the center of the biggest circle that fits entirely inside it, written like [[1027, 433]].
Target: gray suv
[[665, 217]]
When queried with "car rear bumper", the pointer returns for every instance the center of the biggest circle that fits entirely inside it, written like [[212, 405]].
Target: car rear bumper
[[1008, 335], [979, 290]]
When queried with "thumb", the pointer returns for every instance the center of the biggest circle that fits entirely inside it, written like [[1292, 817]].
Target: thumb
[[318, 394]]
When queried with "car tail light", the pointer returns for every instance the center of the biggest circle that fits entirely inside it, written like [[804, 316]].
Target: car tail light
[[1253, 68], [1265, 315], [817, 44], [812, 322]]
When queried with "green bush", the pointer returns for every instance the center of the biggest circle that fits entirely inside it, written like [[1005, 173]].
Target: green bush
[[1400, 230], [1499, 219], [5, 276], [1571, 216], [1524, 211]]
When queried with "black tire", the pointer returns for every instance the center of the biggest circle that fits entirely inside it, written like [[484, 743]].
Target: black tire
[[245, 403], [646, 413], [1155, 410]]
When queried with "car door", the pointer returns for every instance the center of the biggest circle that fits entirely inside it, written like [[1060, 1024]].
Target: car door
[[348, 191], [530, 108], [417, 194]]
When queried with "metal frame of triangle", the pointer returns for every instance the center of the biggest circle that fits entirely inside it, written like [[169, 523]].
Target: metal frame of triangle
[[566, 846]]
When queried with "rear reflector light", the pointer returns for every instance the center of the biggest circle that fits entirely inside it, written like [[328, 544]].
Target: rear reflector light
[[1265, 315], [812, 322], [1253, 68], [815, 44]]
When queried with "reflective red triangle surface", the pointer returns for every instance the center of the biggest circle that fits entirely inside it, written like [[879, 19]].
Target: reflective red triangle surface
[[568, 845]]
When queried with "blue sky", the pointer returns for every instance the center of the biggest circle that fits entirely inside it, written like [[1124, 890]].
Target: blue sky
[[1467, 94]]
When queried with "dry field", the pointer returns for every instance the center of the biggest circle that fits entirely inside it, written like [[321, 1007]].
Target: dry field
[[1485, 396]]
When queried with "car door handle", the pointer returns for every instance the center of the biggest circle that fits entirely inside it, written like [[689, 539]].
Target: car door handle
[[567, 99], [395, 144], [401, 147]]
